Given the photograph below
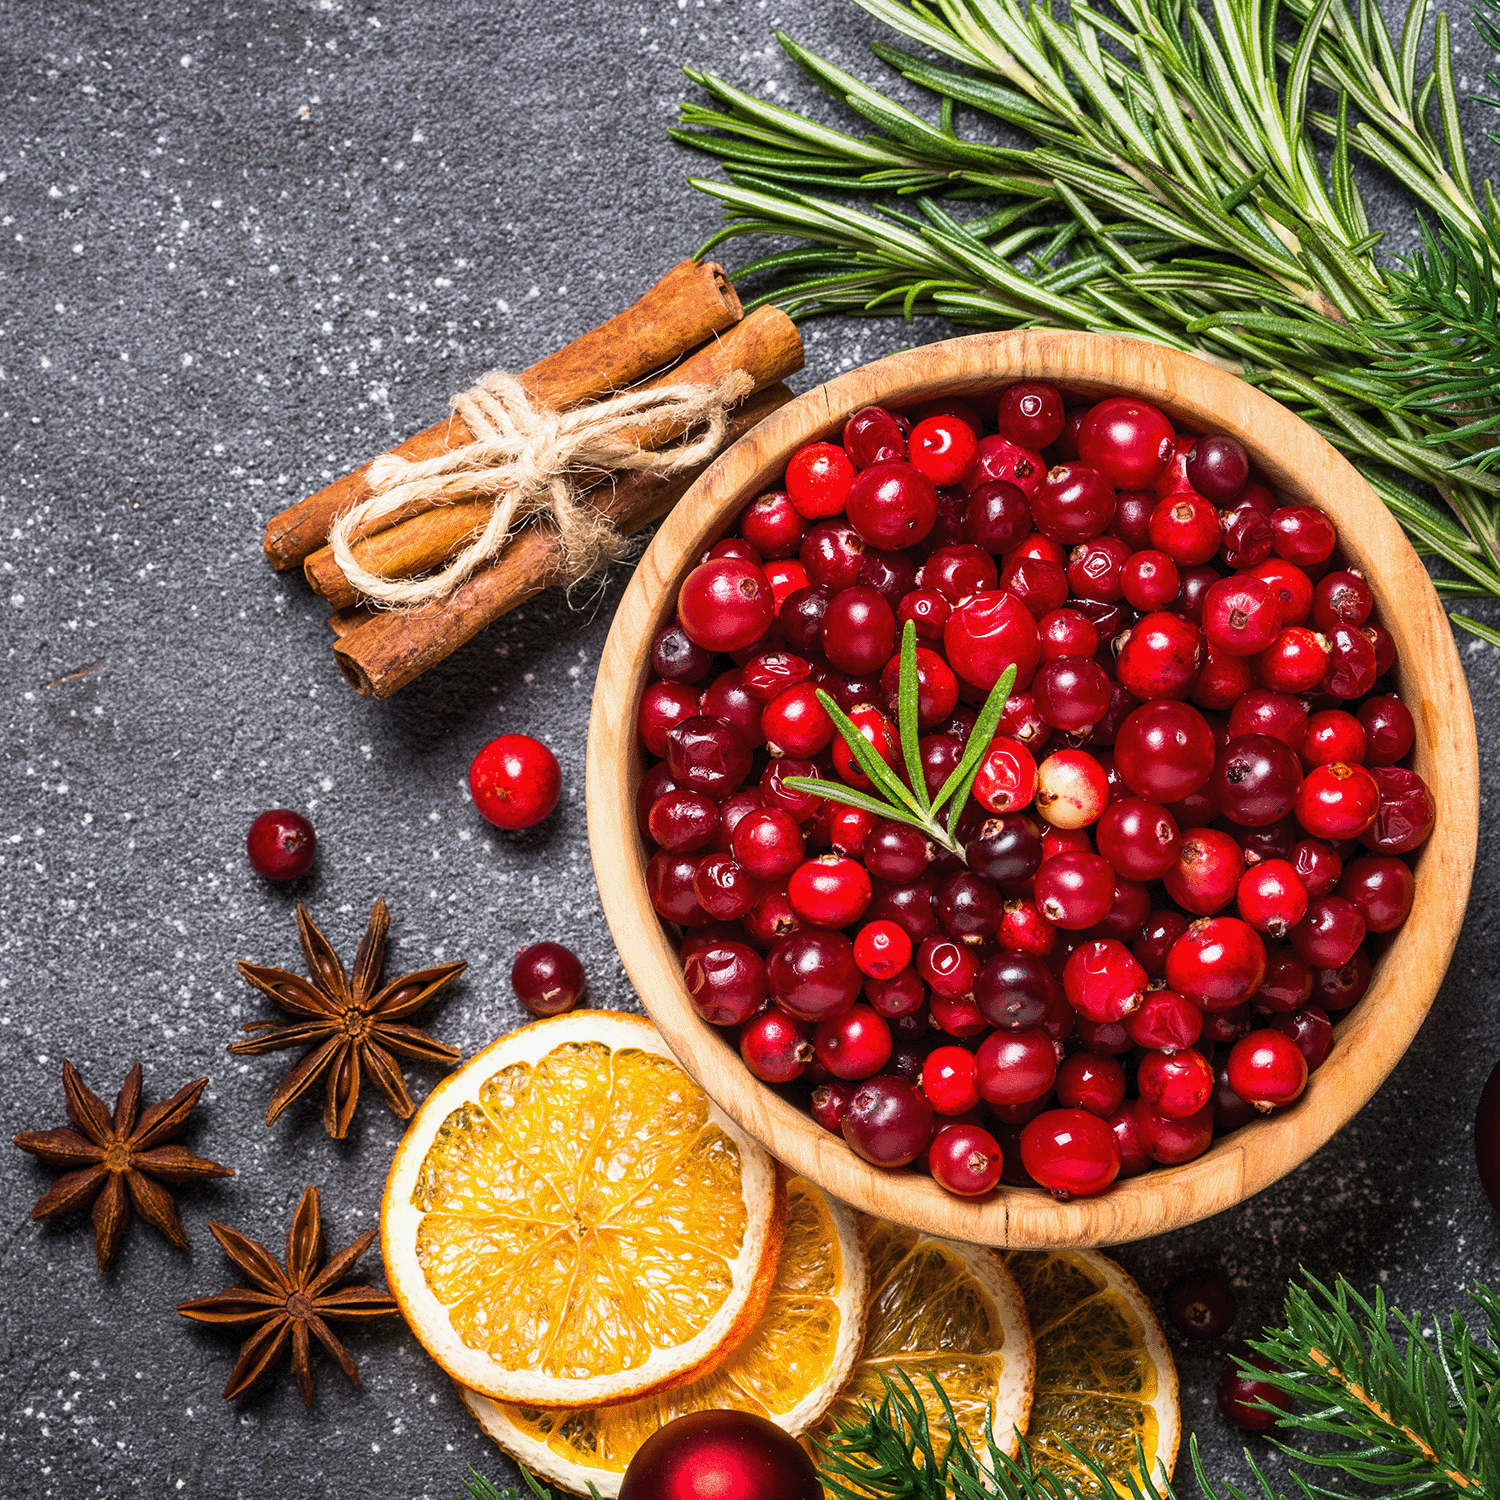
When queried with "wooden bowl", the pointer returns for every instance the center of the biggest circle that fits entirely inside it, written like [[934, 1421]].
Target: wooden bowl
[[1298, 463]]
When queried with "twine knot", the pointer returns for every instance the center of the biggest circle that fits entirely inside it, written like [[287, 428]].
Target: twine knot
[[526, 458]]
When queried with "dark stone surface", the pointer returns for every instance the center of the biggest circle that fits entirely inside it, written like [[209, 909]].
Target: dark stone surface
[[244, 245]]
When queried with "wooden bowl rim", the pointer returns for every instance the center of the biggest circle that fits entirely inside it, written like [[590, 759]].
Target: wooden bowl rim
[[1370, 1039]]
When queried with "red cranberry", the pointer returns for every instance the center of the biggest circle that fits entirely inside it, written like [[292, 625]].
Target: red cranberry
[[795, 723], [1277, 714], [818, 478], [1295, 662], [1288, 984], [1075, 890], [910, 906], [927, 610], [1149, 580], [828, 1103], [1241, 615], [706, 755], [681, 820], [955, 1014], [1071, 1153], [1201, 1304], [1016, 1067], [965, 1160], [1294, 589], [1338, 801], [878, 732], [1330, 934], [1341, 598], [859, 630], [1172, 1142], [1218, 469], [1317, 866], [664, 705], [1338, 989], [873, 435], [1382, 887], [947, 967], [800, 617], [882, 949], [775, 792], [989, 632], [937, 688], [969, 908], [1164, 1020], [1406, 815], [281, 844], [1249, 1404], [944, 448], [726, 980], [1139, 838], [1066, 632], [1333, 735], [1389, 729], [897, 852], [1247, 539], [775, 1046], [1073, 503], [830, 891], [997, 517], [1173, 479], [515, 781], [1128, 440], [1311, 1030], [1103, 981], [773, 525], [1164, 751], [1134, 1156], [892, 505], [734, 546], [1302, 535], [768, 843], [1219, 962], [1352, 664], [888, 1121], [1267, 1069], [833, 553], [1072, 789], [725, 603], [957, 572], [548, 978], [1160, 657], [999, 459], [950, 1079], [813, 974], [675, 657], [1187, 528], [1175, 1084], [1160, 930], [724, 890], [1015, 991], [669, 884], [763, 677], [1132, 519], [1255, 781], [1031, 414], [727, 698], [1271, 897], [786, 576], [1229, 1111], [901, 995], [770, 919], [854, 1044], [1207, 872], [1093, 1083]]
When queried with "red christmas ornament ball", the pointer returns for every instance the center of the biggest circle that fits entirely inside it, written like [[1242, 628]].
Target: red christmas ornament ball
[[720, 1455]]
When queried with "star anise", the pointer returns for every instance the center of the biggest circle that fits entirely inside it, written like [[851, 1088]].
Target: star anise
[[349, 1026], [291, 1305], [119, 1161]]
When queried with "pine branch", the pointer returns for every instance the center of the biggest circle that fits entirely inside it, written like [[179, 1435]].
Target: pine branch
[[480, 1488]]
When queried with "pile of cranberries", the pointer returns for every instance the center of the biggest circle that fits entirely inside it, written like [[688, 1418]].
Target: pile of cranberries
[[1182, 846]]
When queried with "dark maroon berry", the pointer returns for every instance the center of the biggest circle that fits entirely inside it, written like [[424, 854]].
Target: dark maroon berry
[[548, 978], [281, 845], [1201, 1304]]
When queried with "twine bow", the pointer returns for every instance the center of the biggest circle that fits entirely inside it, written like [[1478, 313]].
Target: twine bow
[[526, 456]]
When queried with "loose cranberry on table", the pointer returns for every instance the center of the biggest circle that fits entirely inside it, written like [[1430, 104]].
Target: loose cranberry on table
[[1247, 1403], [1185, 784], [515, 781], [281, 845], [548, 978]]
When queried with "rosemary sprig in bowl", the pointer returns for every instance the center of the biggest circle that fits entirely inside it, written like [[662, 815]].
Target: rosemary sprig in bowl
[[899, 801]]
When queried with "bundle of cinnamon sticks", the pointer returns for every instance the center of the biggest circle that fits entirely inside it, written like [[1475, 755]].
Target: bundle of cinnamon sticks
[[689, 327]]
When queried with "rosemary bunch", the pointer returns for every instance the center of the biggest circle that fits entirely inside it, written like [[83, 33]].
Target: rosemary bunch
[[1172, 189]]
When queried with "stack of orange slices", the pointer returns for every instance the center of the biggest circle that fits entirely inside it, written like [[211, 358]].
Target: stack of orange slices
[[590, 1247]]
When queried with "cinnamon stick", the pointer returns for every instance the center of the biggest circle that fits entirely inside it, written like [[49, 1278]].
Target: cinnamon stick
[[393, 647], [693, 301], [766, 345]]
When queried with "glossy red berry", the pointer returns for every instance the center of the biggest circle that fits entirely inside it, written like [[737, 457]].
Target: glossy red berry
[[664, 705], [724, 889], [950, 1079], [947, 967], [1015, 991], [1333, 735], [1406, 815], [775, 1047], [768, 843], [1249, 1404], [888, 1121], [882, 949], [725, 604], [1073, 503], [706, 755], [969, 908], [677, 658], [965, 1159], [854, 1044], [893, 505], [997, 517], [1001, 461], [1241, 615], [944, 449], [796, 723], [1267, 1069], [989, 632], [1149, 580], [515, 781], [1382, 887], [1164, 1020], [773, 525], [1337, 801], [1102, 980], [1128, 440], [548, 978], [830, 891], [1075, 890], [1330, 934], [1031, 414], [1164, 751], [1311, 1030], [1218, 469], [813, 975], [1207, 871], [281, 845], [818, 478], [1091, 1082], [1187, 528], [1295, 662], [726, 981], [1139, 838], [1255, 781], [1016, 1067], [1219, 963], [873, 435], [1294, 589], [1302, 535], [1389, 729], [1271, 897], [1160, 657], [1070, 1152], [1176, 1084]]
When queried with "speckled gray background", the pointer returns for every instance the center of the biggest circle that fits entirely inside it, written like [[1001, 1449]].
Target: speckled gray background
[[243, 245]]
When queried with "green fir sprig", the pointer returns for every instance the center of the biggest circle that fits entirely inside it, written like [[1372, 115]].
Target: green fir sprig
[[1181, 183], [908, 801]]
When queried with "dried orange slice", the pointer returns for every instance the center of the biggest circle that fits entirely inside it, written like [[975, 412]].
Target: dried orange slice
[[570, 1221], [789, 1368], [951, 1310], [1104, 1373]]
